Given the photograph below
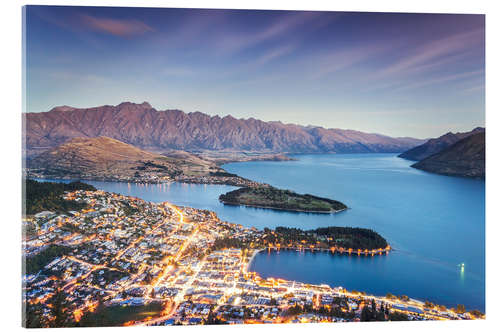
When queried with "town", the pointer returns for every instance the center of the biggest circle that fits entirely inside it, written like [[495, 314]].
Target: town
[[158, 264]]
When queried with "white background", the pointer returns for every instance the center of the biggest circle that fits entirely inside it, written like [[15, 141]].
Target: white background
[[10, 131]]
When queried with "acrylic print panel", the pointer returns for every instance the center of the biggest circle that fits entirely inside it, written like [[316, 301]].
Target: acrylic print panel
[[198, 167]]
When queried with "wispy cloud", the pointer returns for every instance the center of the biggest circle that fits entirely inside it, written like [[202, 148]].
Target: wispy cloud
[[81, 78], [431, 54], [479, 87], [275, 54], [338, 60], [178, 71], [116, 27], [193, 30], [441, 79], [236, 42], [419, 66]]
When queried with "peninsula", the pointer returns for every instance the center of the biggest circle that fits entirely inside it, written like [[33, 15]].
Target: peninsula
[[342, 240], [466, 158], [107, 159], [125, 261], [452, 154], [274, 198]]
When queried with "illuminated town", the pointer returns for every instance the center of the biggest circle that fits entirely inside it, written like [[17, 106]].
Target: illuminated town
[[125, 253]]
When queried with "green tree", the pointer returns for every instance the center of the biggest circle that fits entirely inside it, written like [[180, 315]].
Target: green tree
[[404, 298], [380, 316], [374, 306], [460, 308], [41, 196], [33, 316], [398, 316], [60, 309], [366, 314], [476, 313]]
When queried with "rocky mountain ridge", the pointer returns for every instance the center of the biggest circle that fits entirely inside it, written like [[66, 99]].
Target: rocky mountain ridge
[[158, 131], [464, 158], [436, 145]]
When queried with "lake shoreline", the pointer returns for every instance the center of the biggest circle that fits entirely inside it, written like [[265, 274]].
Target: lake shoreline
[[370, 182], [250, 261], [322, 250]]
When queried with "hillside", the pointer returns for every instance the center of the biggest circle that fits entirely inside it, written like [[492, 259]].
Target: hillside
[[464, 158], [103, 158], [40, 196], [100, 158], [143, 126], [436, 145]]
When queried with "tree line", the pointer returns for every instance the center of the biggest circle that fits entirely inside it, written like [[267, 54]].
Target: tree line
[[40, 196], [37, 262], [272, 197], [346, 237]]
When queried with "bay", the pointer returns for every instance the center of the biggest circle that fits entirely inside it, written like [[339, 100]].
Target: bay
[[434, 223]]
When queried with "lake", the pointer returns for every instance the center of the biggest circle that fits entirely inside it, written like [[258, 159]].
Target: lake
[[433, 222]]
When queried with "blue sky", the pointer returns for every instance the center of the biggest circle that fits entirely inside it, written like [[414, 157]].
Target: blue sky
[[418, 75]]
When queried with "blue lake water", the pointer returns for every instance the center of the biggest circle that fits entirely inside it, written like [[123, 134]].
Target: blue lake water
[[434, 223]]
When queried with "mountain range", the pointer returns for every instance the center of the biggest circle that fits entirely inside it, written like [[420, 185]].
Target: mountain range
[[452, 154], [464, 158], [158, 131], [436, 145]]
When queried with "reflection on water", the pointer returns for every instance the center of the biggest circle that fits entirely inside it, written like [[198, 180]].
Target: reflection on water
[[434, 222], [462, 273]]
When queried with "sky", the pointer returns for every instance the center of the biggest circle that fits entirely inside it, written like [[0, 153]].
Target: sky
[[418, 75]]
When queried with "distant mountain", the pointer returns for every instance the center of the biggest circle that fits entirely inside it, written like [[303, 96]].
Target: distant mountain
[[144, 127], [464, 158], [434, 146]]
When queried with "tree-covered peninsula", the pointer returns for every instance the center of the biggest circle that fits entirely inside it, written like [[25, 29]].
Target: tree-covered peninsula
[[274, 198], [341, 239]]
